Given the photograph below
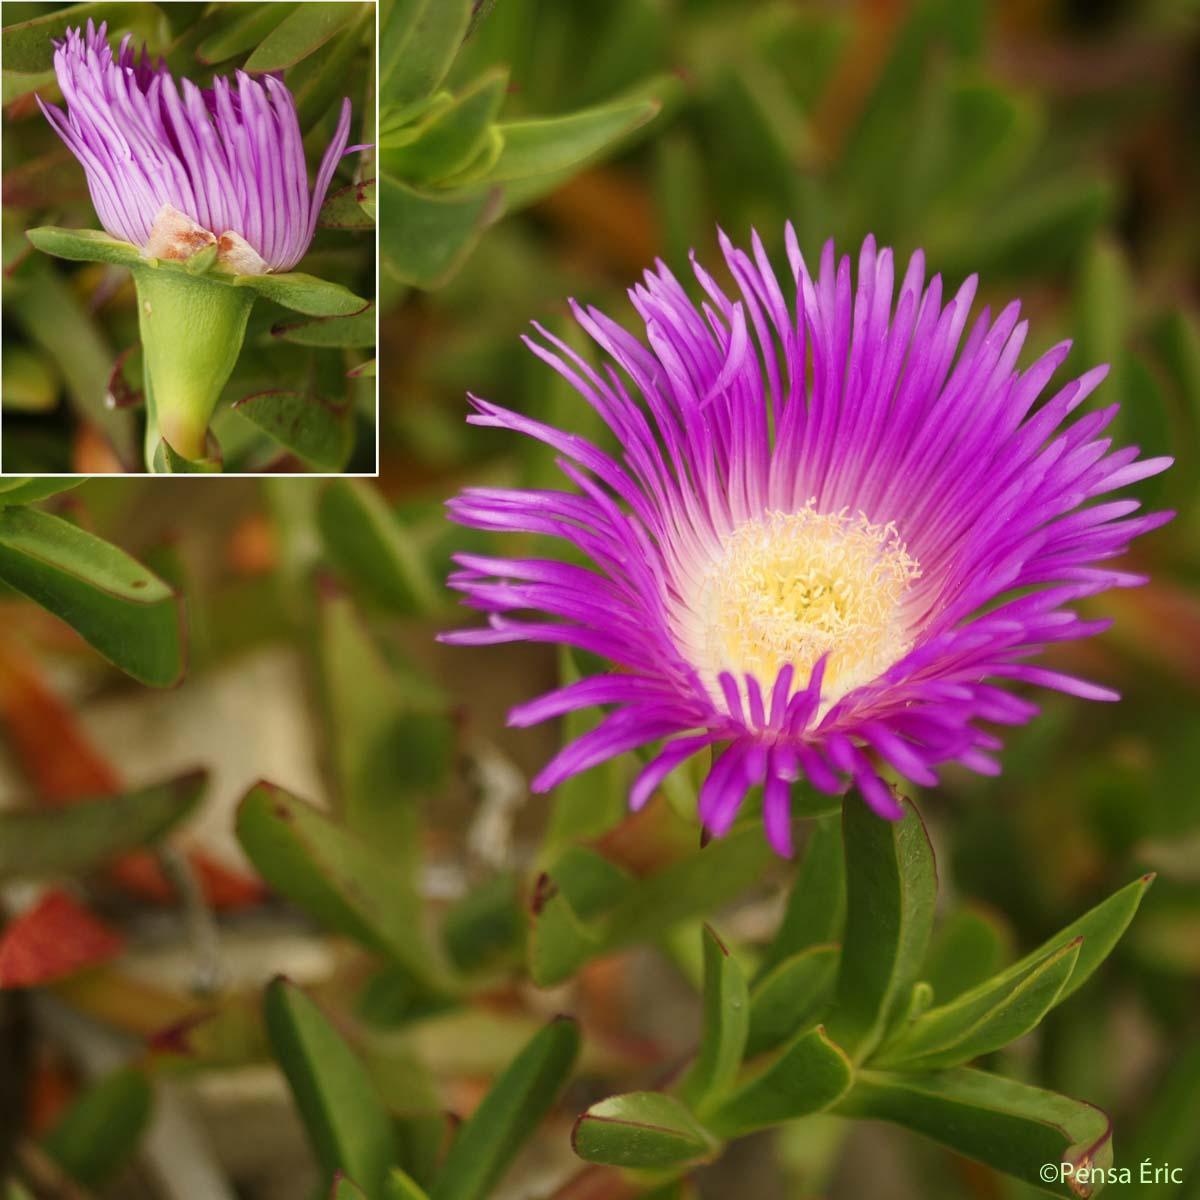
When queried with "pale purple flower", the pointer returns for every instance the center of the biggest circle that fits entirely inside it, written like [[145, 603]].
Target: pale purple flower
[[166, 159], [834, 532]]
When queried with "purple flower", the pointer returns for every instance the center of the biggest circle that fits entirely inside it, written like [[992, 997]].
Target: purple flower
[[834, 532], [172, 168]]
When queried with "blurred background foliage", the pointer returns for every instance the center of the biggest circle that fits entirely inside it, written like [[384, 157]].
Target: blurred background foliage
[[1053, 148]]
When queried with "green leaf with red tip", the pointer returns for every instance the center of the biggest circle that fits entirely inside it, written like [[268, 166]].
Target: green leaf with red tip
[[314, 428], [123, 610], [347, 1124], [509, 1114], [981, 1020], [642, 1131], [40, 842], [100, 1131], [351, 207], [806, 1075], [1010, 1126], [891, 888], [725, 1025]]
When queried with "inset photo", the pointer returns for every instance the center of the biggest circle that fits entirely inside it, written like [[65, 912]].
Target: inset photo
[[189, 239]]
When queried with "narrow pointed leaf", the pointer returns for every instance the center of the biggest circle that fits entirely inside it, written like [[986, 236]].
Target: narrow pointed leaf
[[100, 1131], [790, 997], [18, 490], [509, 1114], [316, 429], [348, 1126], [123, 610], [549, 145], [807, 1075], [84, 245], [399, 1185], [244, 32], [304, 30], [346, 1189], [36, 842], [1015, 1128], [353, 331], [726, 1023], [417, 44], [642, 1131], [816, 906], [891, 887], [425, 236], [304, 293], [975, 1025], [345, 883], [373, 548]]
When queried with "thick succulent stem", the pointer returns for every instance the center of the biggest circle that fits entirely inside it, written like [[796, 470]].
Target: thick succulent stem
[[192, 328]]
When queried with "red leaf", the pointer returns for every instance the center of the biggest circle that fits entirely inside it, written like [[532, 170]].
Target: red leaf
[[55, 938]]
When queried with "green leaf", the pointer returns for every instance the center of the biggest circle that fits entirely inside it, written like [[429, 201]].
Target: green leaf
[[30, 382], [509, 1114], [367, 543], [29, 46], [725, 1026], [100, 1132], [243, 32], [84, 245], [791, 996], [341, 881], [891, 887], [806, 1075], [549, 145], [425, 237], [816, 906], [982, 1020], [352, 331], [24, 490], [306, 29], [418, 41], [347, 208], [568, 902], [128, 614], [64, 841], [487, 926], [1168, 1123], [1010, 1126], [314, 428], [348, 1126], [390, 736], [399, 1185], [968, 948], [320, 81], [594, 801], [642, 1131], [450, 139], [304, 293], [346, 1189]]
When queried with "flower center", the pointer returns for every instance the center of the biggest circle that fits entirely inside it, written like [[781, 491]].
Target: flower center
[[791, 587]]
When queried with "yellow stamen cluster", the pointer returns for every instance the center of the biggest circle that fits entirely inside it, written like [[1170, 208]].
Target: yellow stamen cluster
[[790, 587]]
